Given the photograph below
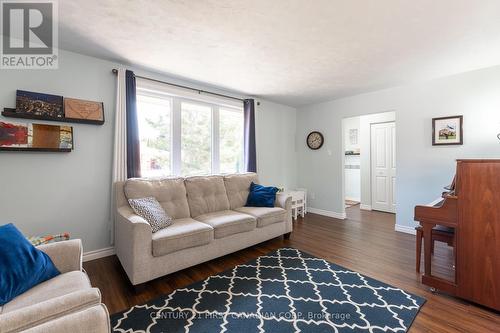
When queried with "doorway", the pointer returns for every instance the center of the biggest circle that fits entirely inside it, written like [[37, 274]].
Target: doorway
[[352, 162], [369, 162]]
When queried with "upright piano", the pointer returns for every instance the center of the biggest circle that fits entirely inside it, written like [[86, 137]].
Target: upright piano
[[472, 207]]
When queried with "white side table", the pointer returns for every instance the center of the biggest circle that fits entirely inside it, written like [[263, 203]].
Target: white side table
[[305, 197], [298, 203]]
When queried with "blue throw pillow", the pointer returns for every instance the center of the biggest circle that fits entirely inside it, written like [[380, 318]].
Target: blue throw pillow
[[261, 196], [22, 266]]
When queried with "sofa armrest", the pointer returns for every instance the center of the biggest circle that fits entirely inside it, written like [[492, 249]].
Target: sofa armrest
[[133, 241], [128, 215], [51, 309], [284, 201], [93, 319], [66, 255]]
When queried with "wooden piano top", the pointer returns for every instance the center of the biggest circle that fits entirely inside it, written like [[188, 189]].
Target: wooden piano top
[[479, 160]]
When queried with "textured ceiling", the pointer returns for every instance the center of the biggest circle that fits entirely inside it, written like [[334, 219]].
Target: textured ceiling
[[295, 52]]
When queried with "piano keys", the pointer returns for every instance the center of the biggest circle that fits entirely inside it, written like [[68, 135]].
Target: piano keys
[[436, 203], [472, 207]]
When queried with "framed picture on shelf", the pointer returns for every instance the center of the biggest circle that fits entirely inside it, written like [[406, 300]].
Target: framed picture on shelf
[[83, 110], [13, 135], [447, 131], [353, 136], [38, 104]]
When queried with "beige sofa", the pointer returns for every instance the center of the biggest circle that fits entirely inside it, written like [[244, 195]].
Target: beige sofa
[[210, 220], [66, 303]]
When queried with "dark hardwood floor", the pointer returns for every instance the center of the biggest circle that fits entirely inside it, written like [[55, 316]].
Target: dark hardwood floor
[[365, 242]]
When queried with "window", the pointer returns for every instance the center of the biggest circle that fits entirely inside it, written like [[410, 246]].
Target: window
[[183, 134]]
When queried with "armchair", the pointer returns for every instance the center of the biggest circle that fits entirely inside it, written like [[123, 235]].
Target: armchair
[[66, 303]]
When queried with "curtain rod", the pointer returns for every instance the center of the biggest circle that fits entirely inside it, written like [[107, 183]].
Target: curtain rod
[[115, 71]]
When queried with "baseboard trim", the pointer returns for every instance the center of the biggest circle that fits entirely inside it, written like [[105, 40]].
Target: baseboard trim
[[328, 213], [365, 207], [406, 229], [96, 254]]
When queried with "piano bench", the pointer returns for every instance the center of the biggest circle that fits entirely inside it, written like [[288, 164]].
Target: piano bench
[[439, 234]]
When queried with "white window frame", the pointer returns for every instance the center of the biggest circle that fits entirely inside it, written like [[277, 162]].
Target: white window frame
[[162, 91]]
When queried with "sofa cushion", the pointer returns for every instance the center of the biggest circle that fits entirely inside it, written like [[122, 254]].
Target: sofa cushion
[[265, 216], [228, 222], [261, 196], [182, 234], [206, 195], [238, 187], [22, 266], [150, 209], [60, 285], [170, 193]]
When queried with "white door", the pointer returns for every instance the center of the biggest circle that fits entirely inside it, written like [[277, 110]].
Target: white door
[[383, 166]]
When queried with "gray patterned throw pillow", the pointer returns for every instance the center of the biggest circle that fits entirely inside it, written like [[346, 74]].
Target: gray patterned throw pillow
[[149, 208]]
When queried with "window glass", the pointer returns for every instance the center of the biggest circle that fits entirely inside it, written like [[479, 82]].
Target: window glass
[[154, 118], [196, 139], [230, 140]]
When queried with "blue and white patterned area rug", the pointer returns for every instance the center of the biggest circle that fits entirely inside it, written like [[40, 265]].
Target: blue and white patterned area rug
[[284, 291]]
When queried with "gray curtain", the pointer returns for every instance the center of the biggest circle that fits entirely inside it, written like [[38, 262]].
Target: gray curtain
[[133, 144], [249, 132]]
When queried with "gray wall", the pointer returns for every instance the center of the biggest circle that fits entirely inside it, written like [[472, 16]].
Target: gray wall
[[45, 193], [422, 170], [275, 137]]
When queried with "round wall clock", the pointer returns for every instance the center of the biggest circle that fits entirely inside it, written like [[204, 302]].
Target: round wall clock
[[315, 140]]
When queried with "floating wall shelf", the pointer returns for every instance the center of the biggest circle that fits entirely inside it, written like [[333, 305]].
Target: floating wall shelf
[[11, 113], [47, 150]]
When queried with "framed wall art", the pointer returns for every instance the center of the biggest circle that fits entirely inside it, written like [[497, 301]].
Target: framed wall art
[[86, 110], [353, 136], [447, 131], [38, 104]]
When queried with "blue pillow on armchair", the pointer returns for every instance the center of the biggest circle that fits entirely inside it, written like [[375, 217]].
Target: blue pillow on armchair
[[22, 266], [261, 196]]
